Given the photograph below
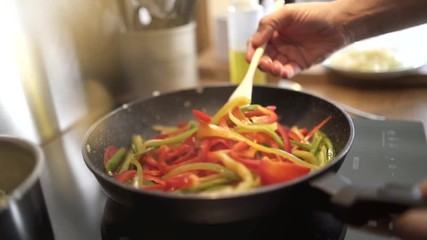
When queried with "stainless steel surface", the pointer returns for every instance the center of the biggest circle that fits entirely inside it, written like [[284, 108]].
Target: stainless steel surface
[[73, 196]]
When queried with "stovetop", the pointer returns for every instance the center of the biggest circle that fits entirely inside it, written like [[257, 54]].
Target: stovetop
[[383, 151]]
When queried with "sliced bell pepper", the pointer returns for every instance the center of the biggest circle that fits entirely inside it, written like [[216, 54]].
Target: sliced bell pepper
[[268, 129], [317, 127], [201, 117], [272, 172], [125, 176], [210, 130], [116, 159], [174, 139], [228, 107], [240, 169], [264, 115], [109, 152], [201, 166]]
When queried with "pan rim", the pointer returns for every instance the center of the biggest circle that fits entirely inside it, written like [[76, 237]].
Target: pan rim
[[200, 197]]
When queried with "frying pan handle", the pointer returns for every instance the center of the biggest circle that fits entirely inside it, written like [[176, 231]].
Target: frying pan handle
[[356, 204]]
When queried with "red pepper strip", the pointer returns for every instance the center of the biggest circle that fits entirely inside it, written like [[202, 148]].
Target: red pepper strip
[[125, 176], [181, 181], [201, 117], [237, 112], [293, 135], [150, 161], [267, 115], [199, 157], [161, 159], [317, 127], [285, 136], [252, 164], [272, 172], [155, 179], [217, 143], [176, 152], [109, 152], [190, 153], [154, 173]]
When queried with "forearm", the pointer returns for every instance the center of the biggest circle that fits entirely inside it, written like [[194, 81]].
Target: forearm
[[362, 19]]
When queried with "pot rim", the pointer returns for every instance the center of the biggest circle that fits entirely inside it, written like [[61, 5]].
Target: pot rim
[[33, 177]]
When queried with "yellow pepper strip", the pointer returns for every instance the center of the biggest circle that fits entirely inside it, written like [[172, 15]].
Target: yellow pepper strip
[[268, 129], [165, 129], [306, 155], [228, 107], [210, 130], [240, 169], [137, 143], [139, 177]]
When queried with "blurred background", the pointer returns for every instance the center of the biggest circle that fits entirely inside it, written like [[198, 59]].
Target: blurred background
[[64, 61]]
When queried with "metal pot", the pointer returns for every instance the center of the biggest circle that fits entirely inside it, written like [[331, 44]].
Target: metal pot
[[23, 213]]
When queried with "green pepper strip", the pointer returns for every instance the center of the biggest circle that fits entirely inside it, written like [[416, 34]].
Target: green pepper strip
[[306, 155], [248, 108], [268, 129], [207, 185], [116, 159], [239, 101], [210, 130], [331, 150], [202, 166], [316, 143], [322, 155], [175, 139], [304, 146], [126, 163]]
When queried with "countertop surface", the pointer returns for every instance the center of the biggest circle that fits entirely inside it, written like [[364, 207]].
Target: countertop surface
[[75, 199]]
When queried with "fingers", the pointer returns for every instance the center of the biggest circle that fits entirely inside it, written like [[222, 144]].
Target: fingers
[[278, 68], [423, 188], [412, 224]]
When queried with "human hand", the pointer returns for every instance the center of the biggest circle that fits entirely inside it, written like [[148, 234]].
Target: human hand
[[412, 224], [297, 36]]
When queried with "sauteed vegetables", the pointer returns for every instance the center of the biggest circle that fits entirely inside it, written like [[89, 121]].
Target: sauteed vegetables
[[241, 147]]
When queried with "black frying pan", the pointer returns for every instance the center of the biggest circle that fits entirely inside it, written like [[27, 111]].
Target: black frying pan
[[322, 189]]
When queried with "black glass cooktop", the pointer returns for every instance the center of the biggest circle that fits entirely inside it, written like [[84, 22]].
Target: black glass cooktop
[[383, 151]]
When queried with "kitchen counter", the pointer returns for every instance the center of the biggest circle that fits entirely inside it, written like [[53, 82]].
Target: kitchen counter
[[75, 200]]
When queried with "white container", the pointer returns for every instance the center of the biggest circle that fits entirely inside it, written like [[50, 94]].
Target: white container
[[243, 20], [160, 60]]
